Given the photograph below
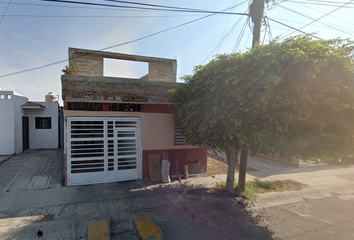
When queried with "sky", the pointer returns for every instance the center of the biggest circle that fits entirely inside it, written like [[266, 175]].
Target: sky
[[37, 33]]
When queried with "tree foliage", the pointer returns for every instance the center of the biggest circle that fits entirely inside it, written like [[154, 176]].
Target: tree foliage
[[293, 98]]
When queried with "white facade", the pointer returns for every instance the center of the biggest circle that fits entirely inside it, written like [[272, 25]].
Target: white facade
[[43, 138], [11, 128], [11, 122]]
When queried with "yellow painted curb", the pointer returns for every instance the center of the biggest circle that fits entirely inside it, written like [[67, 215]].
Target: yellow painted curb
[[147, 227], [98, 230]]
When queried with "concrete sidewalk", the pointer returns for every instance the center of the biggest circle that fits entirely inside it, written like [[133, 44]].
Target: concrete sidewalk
[[29, 206], [31, 199], [321, 180]]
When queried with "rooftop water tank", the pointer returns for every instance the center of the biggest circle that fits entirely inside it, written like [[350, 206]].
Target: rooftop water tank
[[51, 97]]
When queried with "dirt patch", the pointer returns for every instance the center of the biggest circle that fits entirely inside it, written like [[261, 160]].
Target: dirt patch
[[217, 165]]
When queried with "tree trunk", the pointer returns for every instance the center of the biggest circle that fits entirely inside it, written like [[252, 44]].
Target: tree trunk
[[242, 170], [231, 158]]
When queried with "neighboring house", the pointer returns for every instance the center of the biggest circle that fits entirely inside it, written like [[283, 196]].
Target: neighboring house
[[114, 124], [25, 124]]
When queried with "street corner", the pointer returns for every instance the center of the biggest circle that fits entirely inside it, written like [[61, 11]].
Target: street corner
[[147, 227]]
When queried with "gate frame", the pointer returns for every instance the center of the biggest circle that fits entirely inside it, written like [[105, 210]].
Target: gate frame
[[69, 119]]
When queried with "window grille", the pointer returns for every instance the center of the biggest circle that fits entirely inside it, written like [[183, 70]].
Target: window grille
[[85, 106], [179, 136], [43, 122]]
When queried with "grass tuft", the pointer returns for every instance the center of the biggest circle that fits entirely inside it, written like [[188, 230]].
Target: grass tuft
[[253, 188]]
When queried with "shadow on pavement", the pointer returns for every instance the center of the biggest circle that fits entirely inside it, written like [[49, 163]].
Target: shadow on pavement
[[182, 210]]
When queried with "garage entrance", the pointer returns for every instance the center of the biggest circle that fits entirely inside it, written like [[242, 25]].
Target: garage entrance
[[101, 150]]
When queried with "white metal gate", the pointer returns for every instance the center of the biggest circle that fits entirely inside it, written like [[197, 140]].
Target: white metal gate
[[101, 150]]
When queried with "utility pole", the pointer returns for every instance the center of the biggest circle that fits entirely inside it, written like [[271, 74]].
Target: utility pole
[[256, 13]]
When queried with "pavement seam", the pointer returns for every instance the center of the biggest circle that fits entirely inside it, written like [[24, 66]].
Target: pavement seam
[[18, 173], [50, 161]]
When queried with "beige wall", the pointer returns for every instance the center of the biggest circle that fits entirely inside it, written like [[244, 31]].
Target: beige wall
[[157, 129]]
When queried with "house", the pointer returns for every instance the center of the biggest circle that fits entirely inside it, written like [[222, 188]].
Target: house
[[114, 124], [25, 124]]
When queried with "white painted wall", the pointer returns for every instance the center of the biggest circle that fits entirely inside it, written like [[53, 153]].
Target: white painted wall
[[18, 113], [43, 138], [7, 138], [11, 123]]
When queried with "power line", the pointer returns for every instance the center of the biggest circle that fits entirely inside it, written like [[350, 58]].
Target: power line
[[93, 16], [341, 19], [290, 21], [56, 6], [249, 34], [144, 8], [240, 36], [320, 3], [117, 45], [298, 30], [312, 18], [223, 34], [149, 4], [223, 39], [2, 16], [321, 17]]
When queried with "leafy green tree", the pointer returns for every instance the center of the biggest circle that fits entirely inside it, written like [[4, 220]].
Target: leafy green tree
[[293, 98]]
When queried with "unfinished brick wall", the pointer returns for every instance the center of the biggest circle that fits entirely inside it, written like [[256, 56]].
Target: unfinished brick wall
[[107, 89], [90, 63]]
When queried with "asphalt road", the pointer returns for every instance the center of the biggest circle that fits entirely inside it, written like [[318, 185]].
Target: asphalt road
[[328, 218]]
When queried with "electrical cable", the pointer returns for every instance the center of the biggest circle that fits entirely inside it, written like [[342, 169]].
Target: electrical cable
[[247, 40], [143, 8], [223, 34], [223, 39], [314, 9], [265, 34], [240, 36], [320, 18], [298, 30], [60, 6], [7, 7], [270, 32], [117, 45], [92, 16], [290, 21], [149, 5], [314, 25], [322, 3], [322, 22]]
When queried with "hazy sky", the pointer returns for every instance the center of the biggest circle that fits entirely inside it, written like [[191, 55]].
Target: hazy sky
[[36, 33]]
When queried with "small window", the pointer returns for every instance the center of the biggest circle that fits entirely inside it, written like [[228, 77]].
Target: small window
[[85, 106], [43, 122], [126, 107], [2, 96], [179, 136], [8, 96]]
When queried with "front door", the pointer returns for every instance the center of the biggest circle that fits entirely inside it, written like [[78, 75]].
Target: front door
[[25, 133], [126, 154], [103, 149]]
